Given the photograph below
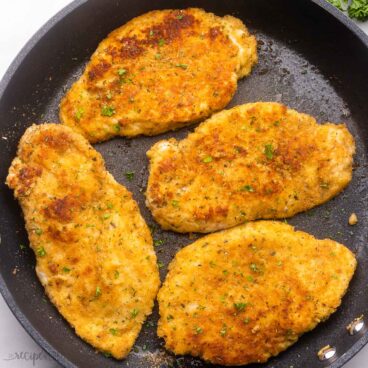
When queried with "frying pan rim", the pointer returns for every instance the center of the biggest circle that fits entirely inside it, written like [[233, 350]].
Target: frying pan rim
[[9, 74]]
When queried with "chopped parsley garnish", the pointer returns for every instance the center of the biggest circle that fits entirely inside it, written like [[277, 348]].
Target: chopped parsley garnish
[[117, 128], [212, 264], [129, 175], [122, 72], [175, 203], [254, 267], [106, 216], [268, 151], [109, 96], [225, 272], [151, 33], [116, 274], [158, 56], [250, 278], [160, 264], [41, 251], [107, 111], [113, 331], [247, 188], [107, 354], [109, 205], [79, 113], [198, 330], [161, 42], [180, 16], [276, 123], [246, 320], [22, 246], [183, 66], [98, 291], [157, 243], [223, 331], [207, 159], [38, 231], [134, 313], [240, 306], [66, 269]]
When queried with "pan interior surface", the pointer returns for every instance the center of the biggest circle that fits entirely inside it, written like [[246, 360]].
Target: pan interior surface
[[308, 60]]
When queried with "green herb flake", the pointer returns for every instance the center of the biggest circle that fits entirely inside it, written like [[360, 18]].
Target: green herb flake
[[183, 66], [276, 123], [324, 185], [98, 292], [161, 42], [175, 203], [134, 313], [66, 269], [250, 278], [151, 33], [240, 306], [268, 151], [22, 246], [246, 320], [223, 331], [247, 188], [198, 330], [79, 113], [41, 251], [225, 272], [107, 111], [113, 331], [38, 231], [158, 56], [107, 354], [207, 159], [129, 175], [158, 242], [117, 128], [109, 96], [180, 16], [109, 205], [106, 216], [160, 264], [122, 71], [254, 267], [116, 274]]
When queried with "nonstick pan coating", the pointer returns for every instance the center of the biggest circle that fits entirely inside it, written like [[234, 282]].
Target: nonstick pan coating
[[313, 60]]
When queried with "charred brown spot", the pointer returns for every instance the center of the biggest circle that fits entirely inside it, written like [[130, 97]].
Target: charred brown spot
[[170, 29], [167, 31], [53, 268], [65, 236], [27, 174], [166, 165], [61, 209], [98, 70], [132, 48], [214, 32], [60, 140]]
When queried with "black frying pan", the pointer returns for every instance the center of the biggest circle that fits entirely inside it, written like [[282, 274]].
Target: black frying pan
[[311, 58]]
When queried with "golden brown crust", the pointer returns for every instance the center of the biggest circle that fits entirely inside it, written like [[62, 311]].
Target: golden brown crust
[[259, 160], [158, 72], [245, 294], [94, 251]]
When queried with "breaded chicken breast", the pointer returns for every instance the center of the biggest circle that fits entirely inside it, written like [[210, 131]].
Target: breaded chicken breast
[[93, 249], [255, 161], [244, 295], [158, 72]]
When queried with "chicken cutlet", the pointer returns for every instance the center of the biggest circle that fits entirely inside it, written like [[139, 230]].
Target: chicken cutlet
[[246, 294], [158, 72], [93, 249], [255, 161]]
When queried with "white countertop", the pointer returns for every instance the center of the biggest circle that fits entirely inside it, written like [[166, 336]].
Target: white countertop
[[19, 20]]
